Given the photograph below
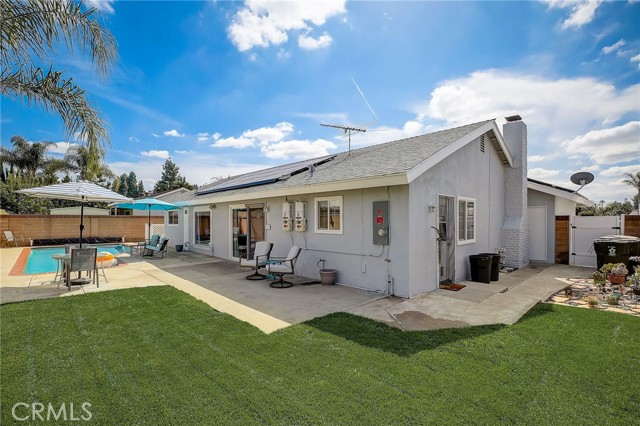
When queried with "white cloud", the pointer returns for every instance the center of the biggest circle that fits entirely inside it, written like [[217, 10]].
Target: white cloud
[[539, 173], [635, 58], [265, 135], [61, 147], [173, 133], [582, 11], [618, 171], [133, 139], [615, 46], [156, 154], [310, 43], [203, 137], [298, 149], [231, 142], [263, 23], [105, 6], [616, 144], [535, 158], [555, 110], [183, 152], [216, 136], [155, 135]]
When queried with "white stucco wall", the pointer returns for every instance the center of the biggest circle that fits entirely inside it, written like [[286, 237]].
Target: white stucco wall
[[468, 173], [540, 199], [359, 262], [565, 207]]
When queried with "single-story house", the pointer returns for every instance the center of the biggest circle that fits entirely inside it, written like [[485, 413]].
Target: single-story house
[[545, 202], [168, 196], [375, 213]]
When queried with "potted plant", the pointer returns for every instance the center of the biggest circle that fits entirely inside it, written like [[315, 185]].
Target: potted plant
[[618, 274], [592, 301], [634, 282], [599, 279]]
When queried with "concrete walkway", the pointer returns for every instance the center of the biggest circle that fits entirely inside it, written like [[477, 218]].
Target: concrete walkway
[[221, 284], [504, 302]]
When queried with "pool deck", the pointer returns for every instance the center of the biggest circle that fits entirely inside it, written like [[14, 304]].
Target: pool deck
[[221, 284]]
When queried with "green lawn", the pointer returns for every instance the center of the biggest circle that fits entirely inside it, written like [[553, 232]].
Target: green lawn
[[157, 356]]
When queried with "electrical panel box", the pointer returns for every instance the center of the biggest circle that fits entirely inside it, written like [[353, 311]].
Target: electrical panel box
[[381, 223], [301, 217], [287, 220]]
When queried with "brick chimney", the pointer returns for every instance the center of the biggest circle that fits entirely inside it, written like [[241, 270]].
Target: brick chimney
[[515, 229]]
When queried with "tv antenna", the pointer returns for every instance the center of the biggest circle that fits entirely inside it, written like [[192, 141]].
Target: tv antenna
[[582, 179], [355, 128]]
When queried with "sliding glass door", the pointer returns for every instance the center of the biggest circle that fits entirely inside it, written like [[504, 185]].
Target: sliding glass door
[[247, 228]]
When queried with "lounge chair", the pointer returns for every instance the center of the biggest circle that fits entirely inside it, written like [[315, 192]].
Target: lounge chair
[[12, 239], [279, 267], [161, 247], [260, 260]]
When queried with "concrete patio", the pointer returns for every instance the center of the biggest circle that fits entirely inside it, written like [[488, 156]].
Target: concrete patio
[[221, 284]]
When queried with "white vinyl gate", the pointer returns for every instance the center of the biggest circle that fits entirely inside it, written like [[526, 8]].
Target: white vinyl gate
[[585, 229]]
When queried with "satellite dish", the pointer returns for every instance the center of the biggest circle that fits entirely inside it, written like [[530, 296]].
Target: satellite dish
[[582, 179]]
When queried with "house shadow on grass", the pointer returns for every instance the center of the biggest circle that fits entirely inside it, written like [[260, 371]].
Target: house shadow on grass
[[377, 335]]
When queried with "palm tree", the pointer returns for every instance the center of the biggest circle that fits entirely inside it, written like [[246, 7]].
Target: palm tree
[[30, 32], [634, 180], [29, 158], [77, 160]]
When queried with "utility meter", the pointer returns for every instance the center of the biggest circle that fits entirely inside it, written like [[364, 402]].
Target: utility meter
[[301, 217], [381, 223], [287, 221]]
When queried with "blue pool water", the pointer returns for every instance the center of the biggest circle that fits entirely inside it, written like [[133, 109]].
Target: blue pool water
[[40, 260]]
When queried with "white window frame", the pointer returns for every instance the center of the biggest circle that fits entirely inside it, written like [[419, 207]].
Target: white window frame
[[177, 212], [475, 214], [316, 220]]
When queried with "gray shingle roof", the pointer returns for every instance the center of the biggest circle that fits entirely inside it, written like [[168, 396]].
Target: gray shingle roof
[[386, 159]]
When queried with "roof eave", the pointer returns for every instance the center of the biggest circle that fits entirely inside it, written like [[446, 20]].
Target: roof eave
[[571, 196]]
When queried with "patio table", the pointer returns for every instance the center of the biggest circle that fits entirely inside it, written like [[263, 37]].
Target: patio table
[[65, 260], [137, 247]]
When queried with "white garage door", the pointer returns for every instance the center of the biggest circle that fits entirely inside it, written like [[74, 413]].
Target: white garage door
[[538, 233]]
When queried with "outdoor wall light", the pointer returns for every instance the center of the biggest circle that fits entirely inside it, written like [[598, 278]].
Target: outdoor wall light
[[212, 206], [432, 207], [266, 208]]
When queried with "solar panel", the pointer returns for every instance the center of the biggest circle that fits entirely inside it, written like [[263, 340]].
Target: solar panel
[[262, 177]]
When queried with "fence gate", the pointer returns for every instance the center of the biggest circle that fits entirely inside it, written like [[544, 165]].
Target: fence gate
[[156, 228], [585, 229]]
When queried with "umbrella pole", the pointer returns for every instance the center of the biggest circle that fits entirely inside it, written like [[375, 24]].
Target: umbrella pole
[[81, 221], [149, 237]]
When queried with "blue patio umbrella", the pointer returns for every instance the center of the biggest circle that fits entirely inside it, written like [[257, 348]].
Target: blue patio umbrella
[[149, 204]]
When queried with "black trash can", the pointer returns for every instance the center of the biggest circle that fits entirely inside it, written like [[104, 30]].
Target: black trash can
[[616, 249], [480, 268], [495, 265]]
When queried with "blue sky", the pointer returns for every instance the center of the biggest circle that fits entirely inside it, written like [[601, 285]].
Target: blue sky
[[229, 87]]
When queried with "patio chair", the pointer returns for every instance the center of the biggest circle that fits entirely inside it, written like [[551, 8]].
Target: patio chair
[[153, 241], [13, 239], [279, 267], [82, 260], [161, 247], [260, 260]]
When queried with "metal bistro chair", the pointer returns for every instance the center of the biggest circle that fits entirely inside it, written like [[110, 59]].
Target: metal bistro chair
[[83, 260], [279, 267], [260, 260]]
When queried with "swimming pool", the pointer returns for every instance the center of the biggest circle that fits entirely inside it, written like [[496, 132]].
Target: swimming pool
[[41, 262]]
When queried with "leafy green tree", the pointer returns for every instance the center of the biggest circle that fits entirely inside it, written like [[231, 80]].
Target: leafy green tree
[[634, 181], [123, 188], [20, 203], [31, 32], [78, 160], [141, 191], [132, 185], [29, 158], [171, 178]]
